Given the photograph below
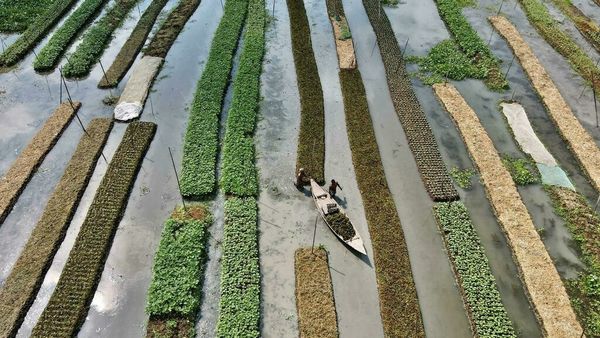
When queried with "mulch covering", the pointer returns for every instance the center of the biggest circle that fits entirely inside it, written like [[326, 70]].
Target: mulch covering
[[21, 286], [542, 283], [70, 301], [21, 171], [314, 295]]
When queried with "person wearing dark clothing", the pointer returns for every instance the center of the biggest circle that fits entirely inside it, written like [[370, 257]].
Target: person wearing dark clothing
[[300, 178], [333, 188]]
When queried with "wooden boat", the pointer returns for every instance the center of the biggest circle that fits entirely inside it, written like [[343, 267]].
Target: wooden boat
[[327, 206]]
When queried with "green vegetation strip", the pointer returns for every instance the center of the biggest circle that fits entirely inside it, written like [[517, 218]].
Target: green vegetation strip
[[311, 141], [174, 294], [200, 145], [21, 171], [23, 282], [96, 39], [314, 295], [16, 16], [35, 32], [586, 26], [50, 55], [70, 301], [165, 37], [549, 29], [132, 46], [478, 287], [418, 132], [238, 175], [584, 224]]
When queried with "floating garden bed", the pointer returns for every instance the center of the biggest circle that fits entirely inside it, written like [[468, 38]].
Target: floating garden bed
[[314, 295], [341, 225], [578, 140], [200, 146], [132, 46], [478, 287], [586, 26], [414, 122], [16, 16], [96, 39], [175, 290], [523, 171], [70, 301], [21, 171], [542, 283], [23, 282], [50, 55]]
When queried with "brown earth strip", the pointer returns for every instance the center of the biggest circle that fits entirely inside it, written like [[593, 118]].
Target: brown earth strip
[[314, 295], [21, 171], [175, 327], [21, 286], [343, 43], [543, 285], [580, 142]]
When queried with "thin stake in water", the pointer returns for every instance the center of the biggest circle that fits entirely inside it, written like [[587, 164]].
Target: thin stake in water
[[314, 234], [500, 8], [273, 7], [177, 178], [509, 66], [595, 103], [105, 77], [404, 49]]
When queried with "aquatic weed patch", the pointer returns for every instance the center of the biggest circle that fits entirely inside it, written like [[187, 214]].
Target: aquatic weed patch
[[76, 286], [22, 284], [478, 287], [201, 140], [314, 294], [16, 16], [132, 46], [311, 139], [96, 39], [523, 171], [463, 177], [50, 55]]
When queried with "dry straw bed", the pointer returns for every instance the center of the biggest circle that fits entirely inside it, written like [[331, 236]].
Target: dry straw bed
[[418, 132], [546, 291], [314, 295], [70, 301], [311, 141], [581, 143], [21, 171], [21, 286]]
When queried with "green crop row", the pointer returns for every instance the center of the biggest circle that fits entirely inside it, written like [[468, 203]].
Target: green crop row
[[96, 39], [311, 140], [22, 284], [239, 314], [35, 32], [586, 26], [76, 286], [16, 16], [169, 30], [475, 279], [50, 55], [473, 47], [201, 137], [176, 284], [523, 171], [238, 175], [132, 46]]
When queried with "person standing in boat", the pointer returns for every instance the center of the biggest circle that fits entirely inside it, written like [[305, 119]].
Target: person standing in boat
[[333, 188], [300, 178]]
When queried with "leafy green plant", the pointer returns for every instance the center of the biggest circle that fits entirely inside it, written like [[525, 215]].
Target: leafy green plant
[[344, 30], [463, 177], [201, 137], [523, 171], [50, 55], [96, 39], [481, 295], [16, 16]]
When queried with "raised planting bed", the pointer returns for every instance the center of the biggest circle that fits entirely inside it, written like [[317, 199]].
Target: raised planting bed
[[549, 29], [314, 295], [311, 139], [96, 39], [50, 55], [132, 46], [478, 287], [341, 32], [177, 275], [76, 286], [239, 306], [584, 224], [543, 285], [467, 55], [578, 140], [169, 30], [35, 32], [586, 26], [341, 225], [25, 278], [238, 174], [201, 140], [21, 171], [399, 306], [414, 122], [523, 171], [16, 16]]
